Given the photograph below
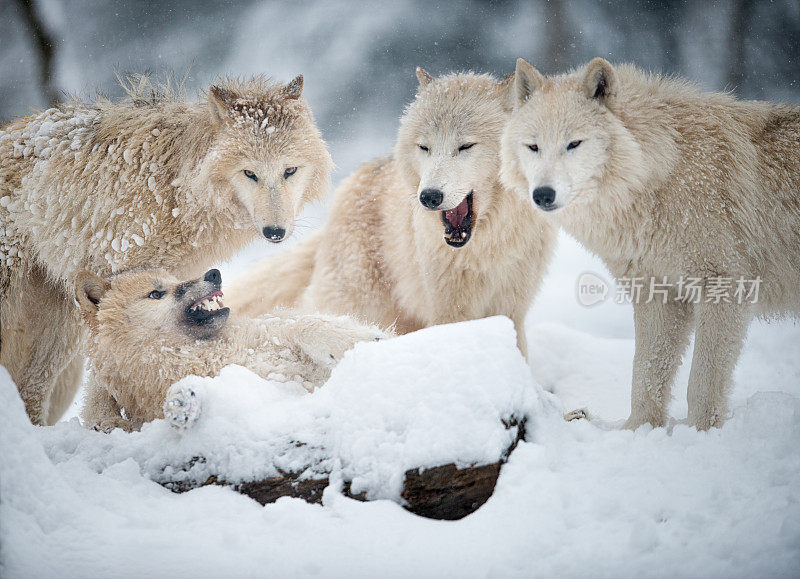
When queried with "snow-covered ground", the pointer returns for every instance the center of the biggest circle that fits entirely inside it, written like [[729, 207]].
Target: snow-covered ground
[[578, 499]]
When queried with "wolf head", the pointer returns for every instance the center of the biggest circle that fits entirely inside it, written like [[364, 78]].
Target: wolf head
[[140, 308], [448, 148], [565, 142], [268, 157]]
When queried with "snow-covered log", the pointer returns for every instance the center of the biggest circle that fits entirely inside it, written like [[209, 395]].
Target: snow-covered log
[[439, 492], [409, 419]]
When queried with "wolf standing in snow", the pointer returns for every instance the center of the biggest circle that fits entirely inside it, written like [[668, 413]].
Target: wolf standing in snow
[[427, 236], [151, 181], [667, 183], [149, 330]]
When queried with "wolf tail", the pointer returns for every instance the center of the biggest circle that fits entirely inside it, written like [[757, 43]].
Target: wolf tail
[[274, 282]]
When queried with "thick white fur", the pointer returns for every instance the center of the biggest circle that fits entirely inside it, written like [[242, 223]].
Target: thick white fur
[[668, 181], [381, 255], [150, 181], [140, 347]]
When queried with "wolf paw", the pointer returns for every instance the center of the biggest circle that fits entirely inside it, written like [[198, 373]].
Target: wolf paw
[[344, 339], [373, 334], [333, 336], [181, 406], [578, 414]]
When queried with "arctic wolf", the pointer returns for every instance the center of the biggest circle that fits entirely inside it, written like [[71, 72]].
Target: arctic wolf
[[427, 236], [667, 184], [148, 330], [151, 181]]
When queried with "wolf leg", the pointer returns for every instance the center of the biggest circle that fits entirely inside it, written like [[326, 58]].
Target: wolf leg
[[100, 410], [662, 335], [322, 338], [721, 330], [522, 340], [41, 336], [67, 384]]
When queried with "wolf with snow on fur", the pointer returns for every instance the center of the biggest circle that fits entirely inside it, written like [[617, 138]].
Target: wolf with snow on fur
[[667, 183], [148, 330], [427, 236], [152, 181]]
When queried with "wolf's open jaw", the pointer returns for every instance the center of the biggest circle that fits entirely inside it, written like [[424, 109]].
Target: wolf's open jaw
[[207, 308], [458, 223], [210, 303]]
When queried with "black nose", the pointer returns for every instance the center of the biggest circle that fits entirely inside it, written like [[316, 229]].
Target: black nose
[[213, 276], [544, 197], [274, 234], [431, 198]]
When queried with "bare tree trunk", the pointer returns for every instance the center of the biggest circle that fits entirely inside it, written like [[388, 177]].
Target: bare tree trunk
[[669, 14], [44, 45], [560, 41], [740, 26]]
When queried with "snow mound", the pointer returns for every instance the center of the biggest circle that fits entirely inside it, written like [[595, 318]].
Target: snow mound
[[436, 396], [412, 401]]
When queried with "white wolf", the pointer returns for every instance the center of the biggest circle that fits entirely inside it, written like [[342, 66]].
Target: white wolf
[[427, 236], [668, 183], [151, 181], [149, 330]]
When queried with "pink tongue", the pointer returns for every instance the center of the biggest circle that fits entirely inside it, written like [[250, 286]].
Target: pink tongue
[[456, 216]]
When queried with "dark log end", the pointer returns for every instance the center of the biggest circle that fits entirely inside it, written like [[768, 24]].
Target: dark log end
[[447, 492]]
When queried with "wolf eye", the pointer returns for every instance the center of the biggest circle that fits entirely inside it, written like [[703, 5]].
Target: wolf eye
[[423, 147], [250, 175], [466, 147], [156, 295], [573, 145], [534, 148], [289, 172]]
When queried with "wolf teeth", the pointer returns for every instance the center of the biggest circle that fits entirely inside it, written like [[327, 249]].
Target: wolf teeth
[[211, 304]]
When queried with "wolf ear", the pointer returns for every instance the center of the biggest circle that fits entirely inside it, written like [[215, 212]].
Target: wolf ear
[[507, 88], [527, 80], [423, 77], [89, 290], [221, 100], [599, 80], [294, 89]]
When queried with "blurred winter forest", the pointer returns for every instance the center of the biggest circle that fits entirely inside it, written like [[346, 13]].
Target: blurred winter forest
[[358, 58]]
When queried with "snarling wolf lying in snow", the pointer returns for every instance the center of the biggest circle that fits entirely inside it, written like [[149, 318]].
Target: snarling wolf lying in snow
[[151, 181], [667, 183], [148, 330], [427, 236]]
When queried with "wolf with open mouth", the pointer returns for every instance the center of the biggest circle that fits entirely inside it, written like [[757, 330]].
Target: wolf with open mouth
[[427, 236], [149, 330], [151, 180]]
